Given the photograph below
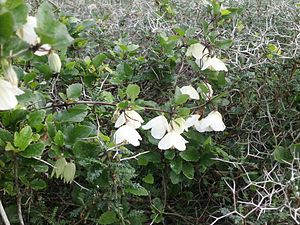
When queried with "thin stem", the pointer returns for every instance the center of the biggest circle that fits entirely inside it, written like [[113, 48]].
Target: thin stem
[[19, 196], [3, 214]]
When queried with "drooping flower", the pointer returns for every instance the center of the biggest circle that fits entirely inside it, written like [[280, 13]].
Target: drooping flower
[[127, 134], [198, 51], [43, 50], [190, 91], [178, 125], [192, 120], [27, 31], [8, 95], [214, 63], [172, 139], [11, 76], [207, 94], [212, 122], [54, 62], [158, 125], [130, 118]]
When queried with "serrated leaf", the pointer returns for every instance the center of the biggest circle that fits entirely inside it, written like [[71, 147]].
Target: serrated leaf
[[38, 184], [282, 154], [74, 91], [33, 150], [169, 154], [23, 138], [75, 114], [59, 138], [6, 26], [175, 178], [36, 119]]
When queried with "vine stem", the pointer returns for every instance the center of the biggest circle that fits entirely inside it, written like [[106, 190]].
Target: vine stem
[[3, 214], [19, 197]]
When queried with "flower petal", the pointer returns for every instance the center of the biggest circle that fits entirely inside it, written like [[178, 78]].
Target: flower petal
[[166, 142], [158, 125], [190, 91], [129, 134], [121, 120]]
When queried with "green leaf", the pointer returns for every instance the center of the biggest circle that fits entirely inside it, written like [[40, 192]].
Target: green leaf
[[175, 178], [149, 179], [20, 14], [132, 91], [83, 150], [74, 91], [188, 170], [169, 154], [99, 59], [75, 114], [282, 154], [190, 154], [23, 138], [72, 133], [108, 217], [69, 172], [38, 184], [33, 150], [59, 138], [6, 26], [223, 44], [176, 165], [36, 119], [137, 189], [50, 30], [181, 99]]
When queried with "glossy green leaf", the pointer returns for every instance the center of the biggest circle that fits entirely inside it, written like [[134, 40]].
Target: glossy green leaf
[[188, 170], [33, 150], [132, 91], [6, 26], [190, 154], [108, 217], [74, 91]]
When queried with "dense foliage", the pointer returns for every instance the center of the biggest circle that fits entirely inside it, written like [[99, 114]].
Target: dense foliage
[[127, 126]]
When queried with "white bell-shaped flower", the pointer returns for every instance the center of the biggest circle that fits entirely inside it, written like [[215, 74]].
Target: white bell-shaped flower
[[8, 94], [214, 63], [190, 91], [27, 32], [11, 75], [158, 125], [178, 125], [198, 51], [172, 139], [130, 118], [43, 50], [127, 134], [192, 120], [54, 62], [212, 122]]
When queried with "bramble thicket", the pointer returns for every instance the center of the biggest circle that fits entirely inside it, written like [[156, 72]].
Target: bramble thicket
[[149, 112]]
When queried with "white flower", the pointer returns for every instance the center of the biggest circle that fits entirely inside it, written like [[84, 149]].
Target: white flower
[[158, 125], [130, 118], [207, 95], [8, 94], [128, 134], [27, 32], [213, 122], [54, 62], [214, 64], [191, 121], [178, 125], [172, 139], [198, 51], [43, 50], [190, 91], [11, 75]]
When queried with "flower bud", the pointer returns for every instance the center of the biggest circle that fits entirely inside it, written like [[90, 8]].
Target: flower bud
[[54, 62]]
